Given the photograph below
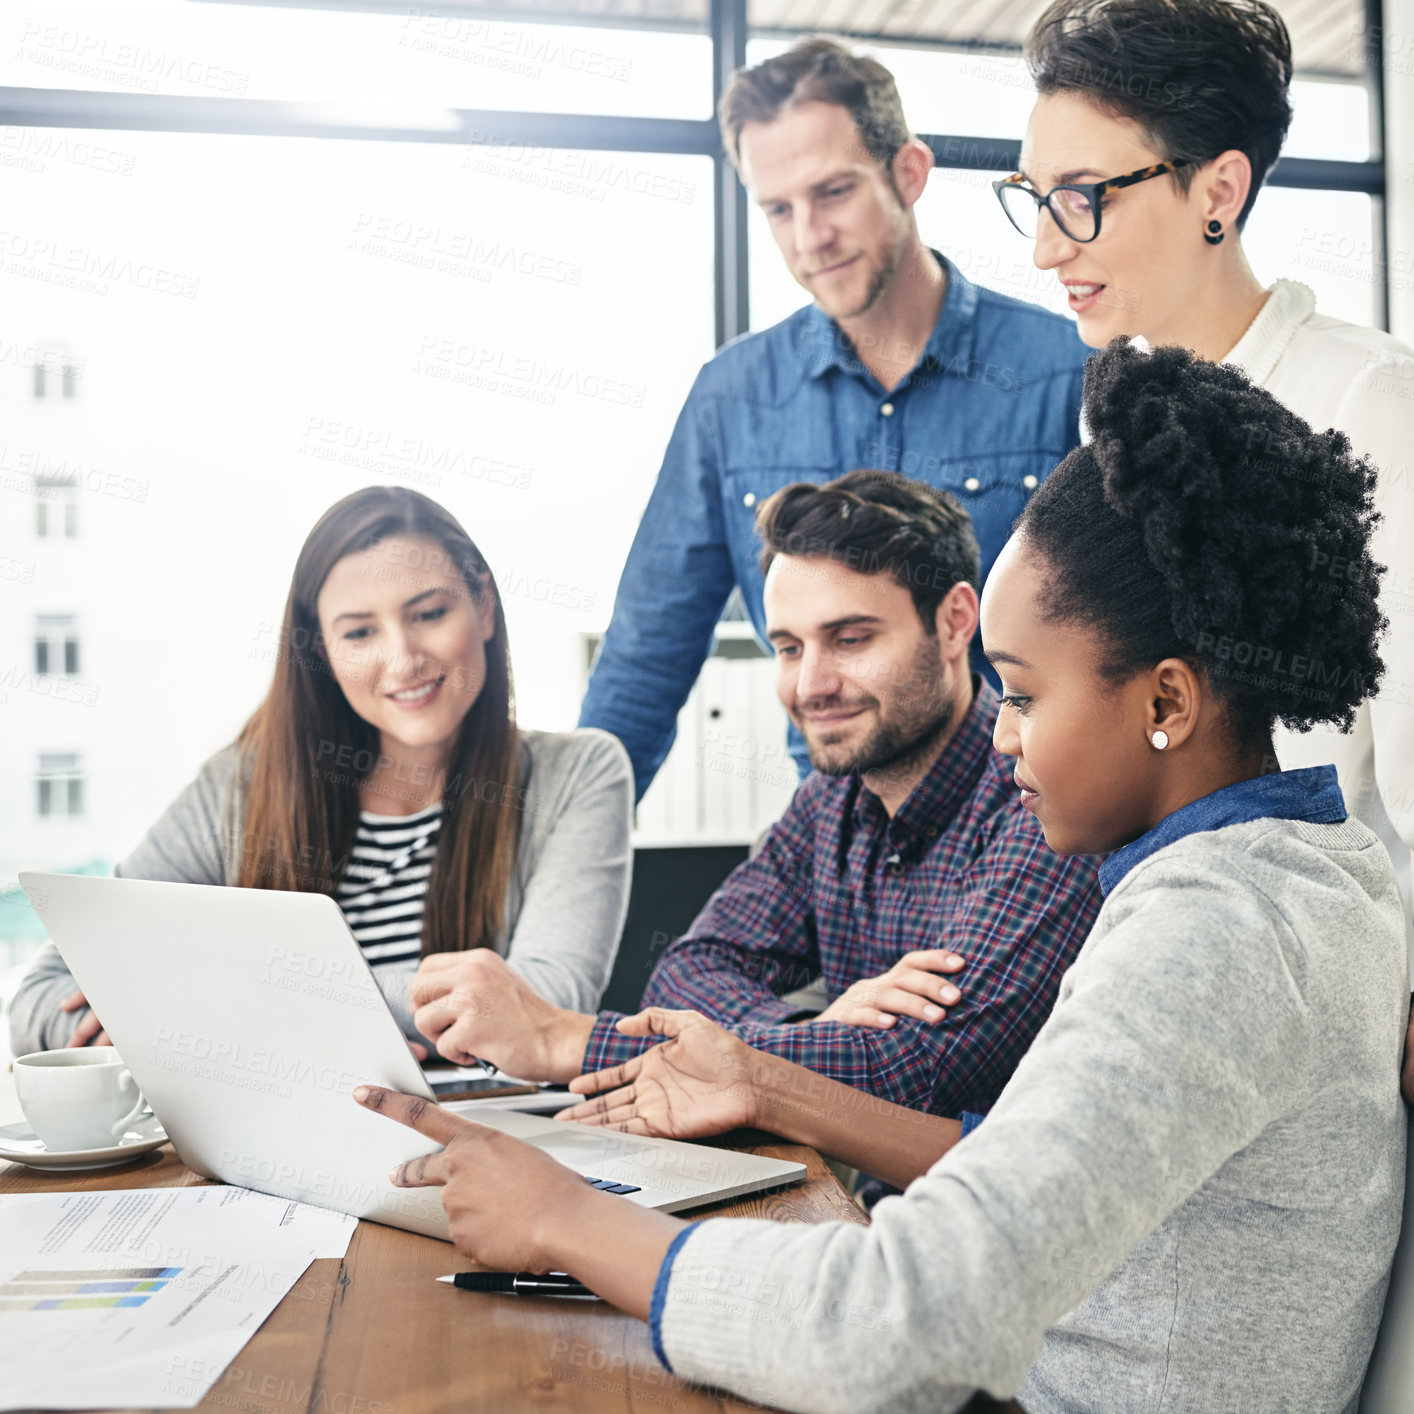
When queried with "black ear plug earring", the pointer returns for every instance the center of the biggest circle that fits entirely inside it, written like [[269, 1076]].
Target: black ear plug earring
[[1214, 234]]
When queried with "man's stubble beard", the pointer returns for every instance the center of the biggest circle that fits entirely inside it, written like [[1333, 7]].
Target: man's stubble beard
[[880, 281], [898, 745]]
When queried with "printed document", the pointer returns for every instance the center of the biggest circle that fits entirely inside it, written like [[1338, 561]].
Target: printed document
[[142, 1297]]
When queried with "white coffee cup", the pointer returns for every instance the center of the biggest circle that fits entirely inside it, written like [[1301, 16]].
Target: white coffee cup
[[79, 1098]]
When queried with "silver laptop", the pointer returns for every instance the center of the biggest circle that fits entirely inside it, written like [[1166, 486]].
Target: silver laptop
[[248, 1016]]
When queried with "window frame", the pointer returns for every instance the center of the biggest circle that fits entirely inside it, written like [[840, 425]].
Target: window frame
[[729, 30], [56, 645], [56, 507], [59, 789]]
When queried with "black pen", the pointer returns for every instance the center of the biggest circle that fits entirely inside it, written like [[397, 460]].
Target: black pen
[[520, 1283]]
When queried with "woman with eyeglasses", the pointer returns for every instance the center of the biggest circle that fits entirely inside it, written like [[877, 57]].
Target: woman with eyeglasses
[[1154, 127]]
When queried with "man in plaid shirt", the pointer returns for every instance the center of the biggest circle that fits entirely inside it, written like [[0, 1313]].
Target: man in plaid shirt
[[909, 834]]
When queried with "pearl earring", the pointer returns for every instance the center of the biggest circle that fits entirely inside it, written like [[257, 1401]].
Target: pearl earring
[[1160, 740]]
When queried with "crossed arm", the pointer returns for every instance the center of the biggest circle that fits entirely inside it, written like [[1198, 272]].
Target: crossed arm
[[1018, 928]]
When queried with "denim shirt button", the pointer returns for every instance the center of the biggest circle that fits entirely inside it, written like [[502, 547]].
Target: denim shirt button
[[887, 409], [749, 499], [1029, 482], [971, 484]]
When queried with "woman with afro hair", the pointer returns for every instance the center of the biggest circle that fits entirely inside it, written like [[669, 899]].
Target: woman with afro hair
[[1189, 1193]]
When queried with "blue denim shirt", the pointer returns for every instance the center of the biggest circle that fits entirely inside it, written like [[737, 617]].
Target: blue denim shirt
[[1312, 793], [987, 411]]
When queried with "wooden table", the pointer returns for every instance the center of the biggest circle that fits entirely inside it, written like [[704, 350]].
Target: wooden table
[[375, 1334]]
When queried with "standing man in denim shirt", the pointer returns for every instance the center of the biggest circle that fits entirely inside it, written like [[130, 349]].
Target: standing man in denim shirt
[[901, 364]]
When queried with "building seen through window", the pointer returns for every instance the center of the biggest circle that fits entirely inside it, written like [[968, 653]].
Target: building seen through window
[[56, 507], [59, 785], [56, 644]]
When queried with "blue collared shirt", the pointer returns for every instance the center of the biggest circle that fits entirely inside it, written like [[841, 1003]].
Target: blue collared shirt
[[1312, 794], [988, 409]]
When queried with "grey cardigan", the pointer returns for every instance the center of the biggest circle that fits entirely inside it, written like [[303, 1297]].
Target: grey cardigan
[[1187, 1197], [565, 905]]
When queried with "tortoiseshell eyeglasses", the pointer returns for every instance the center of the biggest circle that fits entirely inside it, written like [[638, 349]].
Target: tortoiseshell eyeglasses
[[1074, 207]]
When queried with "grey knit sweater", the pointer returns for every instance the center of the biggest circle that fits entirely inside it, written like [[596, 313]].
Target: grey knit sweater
[[1187, 1198], [564, 909]]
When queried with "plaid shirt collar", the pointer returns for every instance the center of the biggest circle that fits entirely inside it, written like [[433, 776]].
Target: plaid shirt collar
[[950, 781]]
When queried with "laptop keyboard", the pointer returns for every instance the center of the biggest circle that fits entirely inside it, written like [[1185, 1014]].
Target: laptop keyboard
[[607, 1185]]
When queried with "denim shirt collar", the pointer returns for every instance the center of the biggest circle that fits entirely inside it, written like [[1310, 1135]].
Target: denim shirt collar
[[824, 345], [1311, 794]]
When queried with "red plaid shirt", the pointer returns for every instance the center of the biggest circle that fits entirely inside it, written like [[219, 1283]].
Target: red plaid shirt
[[841, 890]]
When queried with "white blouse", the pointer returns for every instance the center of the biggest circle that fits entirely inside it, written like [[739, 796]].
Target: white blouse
[[1360, 381]]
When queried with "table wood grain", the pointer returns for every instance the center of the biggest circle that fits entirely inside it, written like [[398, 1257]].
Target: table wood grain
[[375, 1334]]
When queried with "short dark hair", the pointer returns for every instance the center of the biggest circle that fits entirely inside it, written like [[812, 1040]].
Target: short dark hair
[[876, 522], [817, 70], [1206, 521], [1199, 76]]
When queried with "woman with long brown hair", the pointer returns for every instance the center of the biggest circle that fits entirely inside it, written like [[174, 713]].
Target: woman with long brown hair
[[385, 768]]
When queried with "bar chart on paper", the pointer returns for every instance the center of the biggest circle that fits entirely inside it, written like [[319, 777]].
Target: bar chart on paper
[[60, 1289], [140, 1298]]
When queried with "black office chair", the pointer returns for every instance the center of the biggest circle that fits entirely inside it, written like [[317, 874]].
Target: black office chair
[[671, 884]]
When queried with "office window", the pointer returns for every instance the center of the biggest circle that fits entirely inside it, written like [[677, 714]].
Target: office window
[[1326, 239], [937, 52], [56, 507], [59, 785], [56, 644], [409, 58], [507, 326], [509, 330]]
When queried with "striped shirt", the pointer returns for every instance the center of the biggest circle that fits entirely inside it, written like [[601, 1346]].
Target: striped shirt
[[841, 889], [385, 883]]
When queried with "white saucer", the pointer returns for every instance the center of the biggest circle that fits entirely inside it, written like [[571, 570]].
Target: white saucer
[[21, 1145]]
